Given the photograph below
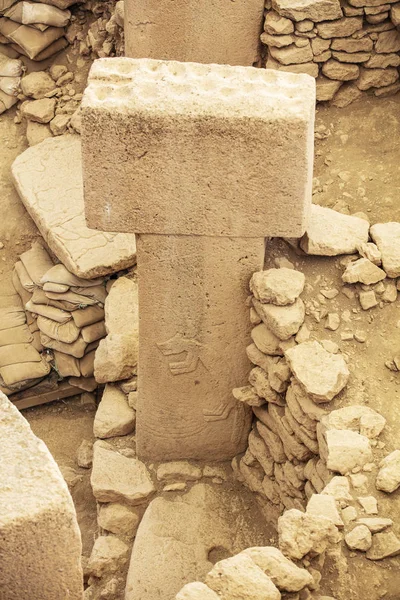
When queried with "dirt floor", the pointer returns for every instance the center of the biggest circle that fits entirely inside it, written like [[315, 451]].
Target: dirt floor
[[357, 168]]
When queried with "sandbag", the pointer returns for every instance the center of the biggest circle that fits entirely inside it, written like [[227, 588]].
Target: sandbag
[[23, 294], [56, 314], [5, 4], [66, 365], [32, 41], [36, 343], [12, 317], [88, 384], [61, 4], [92, 346], [58, 288], [13, 374], [51, 50], [37, 262], [23, 277], [7, 101], [97, 292], [10, 85], [33, 327], [88, 316], [86, 364], [60, 274], [72, 297], [29, 13], [6, 49], [10, 67], [64, 332], [94, 332], [9, 301], [18, 353], [76, 349], [16, 335], [39, 297]]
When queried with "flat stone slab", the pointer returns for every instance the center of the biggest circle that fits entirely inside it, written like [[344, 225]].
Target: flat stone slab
[[40, 542], [48, 178], [179, 539]]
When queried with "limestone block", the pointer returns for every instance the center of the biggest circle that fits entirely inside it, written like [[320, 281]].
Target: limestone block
[[187, 368], [341, 28], [114, 416], [283, 321], [196, 591], [345, 450], [388, 41], [277, 286], [118, 518], [315, 10], [359, 538], [275, 24], [352, 45], [307, 68], [135, 111], [109, 555], [388, 478], [387, 237], [116, 358], [121, 307], [299, 533], [292, 55], [340, 71], [282, 571], [180, 537], [384, 545], [191, 31], [376, 78], [53, 196], [323, 505], [326, 88], [40, 544]]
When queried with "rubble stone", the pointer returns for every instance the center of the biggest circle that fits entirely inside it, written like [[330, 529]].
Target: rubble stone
[[370, 251], [108, 555], [359, 538], [369, 504], [84, 455], [341, 28], [384, 545], [292, 55], [339, 488], [114, 416], [388, 478], [299, 533], [275, 24], [347, 94], [323, 505], [363, 271], [40, 111], [368, 300], [387, 237], [277, 286], [37, 132], [179, 469], [326, 88], [375, 78], [340, 71], [375, 524], [314, 10], [116, 358], [37, 84], [283, 321], [322, 374], [345, 450], [283, 572], [118, 519], [196, 591], [362, 419]]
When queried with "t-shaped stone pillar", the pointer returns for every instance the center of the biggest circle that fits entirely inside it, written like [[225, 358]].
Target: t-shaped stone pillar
[[203, 162]]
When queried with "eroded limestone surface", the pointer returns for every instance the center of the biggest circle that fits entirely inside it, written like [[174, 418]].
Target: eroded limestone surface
[[48, 178]]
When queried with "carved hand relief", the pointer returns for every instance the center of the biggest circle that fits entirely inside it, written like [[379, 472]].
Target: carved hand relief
[[177, 345]]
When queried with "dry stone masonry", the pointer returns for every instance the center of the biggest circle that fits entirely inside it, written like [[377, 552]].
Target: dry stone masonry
[[201, 257]]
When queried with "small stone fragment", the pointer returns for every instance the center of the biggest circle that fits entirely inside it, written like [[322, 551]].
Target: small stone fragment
[[323, 505], [344, 450], [248, 395], [277, 286], [369, 504], [41, 111], [114, 416], [196, 591], [332, 321], [363, 271], [339, 488], [179, 469], [283, 321], [277, 25], [375, 524], [349, 514], [368, 300], [299, 533], [37, 84], [384, 545], [118, 519], [108, 555], [359, 538], [388, 478], [84, 454], [371, 252], [387, 237], [282, 571]]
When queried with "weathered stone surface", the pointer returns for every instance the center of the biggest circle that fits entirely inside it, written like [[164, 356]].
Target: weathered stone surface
[[114, 416], [40, 544], [118, 519], [355, 57], [117, 478], [369, 504], [326, 88], [196, 591], [362, 419], [37, 84], [344, 450], [239, 577], [248, 395], [283, 321], [283, 572], [308, 68], [109, 554], [352, 45], [339, 488], [388, 41], [266, 341], [323, 505], [299, 533], [375, 524], [370, 251], [292, 55], [341, 28], [330, 233], [359, 538], [277, 286], [316, 11], [382, 61], [84, 454], [307, 405], [258, 378], [322, 374], [37, 132], [341, 71], [370, 78], [368, 299], [167, 30], [387, 237], [179, 536], [347, 94], [121, 307], [54, 198], [275, 24], [279, 41], [179, 469], [40, 111], [363, 271], [384, 545], [388, 478], [214, 205]]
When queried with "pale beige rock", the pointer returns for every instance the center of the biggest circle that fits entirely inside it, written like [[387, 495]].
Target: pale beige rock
[[180, 534], [316, 11], [326, 88], [387, 237], [169, 30], [299, 533], [114, 416], [388, 41], [54, 199], [330, 233], [248, 395], [283, 321], [279, 41], [275, 24], [384, 545], [323, 505], [277, 286], [368, 300], [260, 451], [266, 341], [347, 94], [196, 591], [339, 488], [40, 543], [84, 454], [354, 58], [37, 84], [370, 78], [352, 45], [370, 251], [258, 378], [59, 124], [363, 271], [382, 61], [239, 577], [118, 519], [210, 220], [340, 71], [121, 307], [312, 410], [180, 469], [359, 538], [40, 111], [292, 55], [375, 524], [109, 554], [388, 477], [283, 572], [37, 132], [341, 28], [307, 68], [345, 450], [117, 478], [320, 46], [116, 358], [349, 514], [322, 374], [362, 419]]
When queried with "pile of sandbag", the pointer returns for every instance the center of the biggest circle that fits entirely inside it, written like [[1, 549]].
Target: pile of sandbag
[[65, 312], [10, 80], [35, 29]]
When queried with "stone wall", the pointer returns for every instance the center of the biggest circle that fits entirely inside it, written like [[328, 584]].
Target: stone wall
[[350, 48]]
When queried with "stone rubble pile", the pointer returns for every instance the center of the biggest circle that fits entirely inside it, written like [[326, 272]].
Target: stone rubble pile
[[349, 47]]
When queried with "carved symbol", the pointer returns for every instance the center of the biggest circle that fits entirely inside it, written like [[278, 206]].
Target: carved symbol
[[217, 414], [177, 345]]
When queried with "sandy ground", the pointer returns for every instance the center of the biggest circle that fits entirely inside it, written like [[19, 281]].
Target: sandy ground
[[356, 169]]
